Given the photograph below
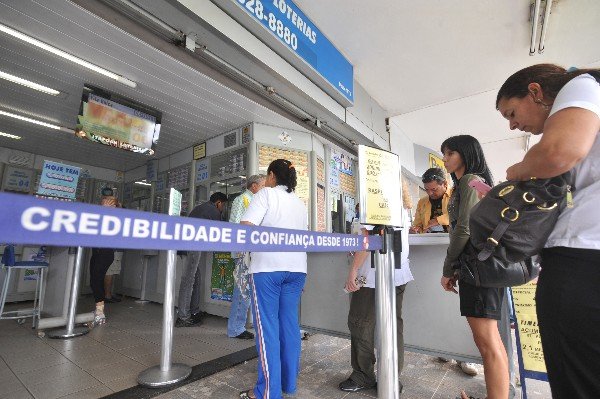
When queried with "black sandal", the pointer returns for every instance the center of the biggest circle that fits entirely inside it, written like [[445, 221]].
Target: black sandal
[[246, 394]]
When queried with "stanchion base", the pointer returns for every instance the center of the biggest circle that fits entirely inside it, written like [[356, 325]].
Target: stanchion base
[[155, 378], [64, 333]]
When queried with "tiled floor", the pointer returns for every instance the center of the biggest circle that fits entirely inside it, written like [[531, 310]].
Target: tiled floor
[[326, 362], [106, 360], [110, 357]]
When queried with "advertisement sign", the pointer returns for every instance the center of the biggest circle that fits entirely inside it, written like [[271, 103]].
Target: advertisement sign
[[202, 171], [221, 280], [58, 180], [380, 189], [56, 223], [110, 123], [288, 31], [174, 202], [17, 179], [529, 332]]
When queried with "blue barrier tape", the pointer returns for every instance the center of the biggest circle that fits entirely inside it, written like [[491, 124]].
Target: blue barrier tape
[[30, 220]]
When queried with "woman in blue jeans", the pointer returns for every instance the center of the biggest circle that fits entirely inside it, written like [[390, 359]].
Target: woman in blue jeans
[[277, 280]]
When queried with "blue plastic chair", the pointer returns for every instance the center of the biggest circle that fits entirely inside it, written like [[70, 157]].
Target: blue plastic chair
[[8, 264]]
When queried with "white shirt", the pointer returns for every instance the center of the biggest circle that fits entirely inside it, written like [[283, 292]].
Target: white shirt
[[274, 207], [401, 276], [579, 227]]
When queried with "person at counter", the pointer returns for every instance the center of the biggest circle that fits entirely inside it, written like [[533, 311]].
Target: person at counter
[[240, 301], [188, 310], [277, 280], [432, 217], [482, 306], [100, 261], [432, 211], [361, 317]]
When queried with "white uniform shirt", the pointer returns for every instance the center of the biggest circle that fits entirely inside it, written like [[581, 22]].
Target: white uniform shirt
[[401, 276], [274, 207], [579, 227]]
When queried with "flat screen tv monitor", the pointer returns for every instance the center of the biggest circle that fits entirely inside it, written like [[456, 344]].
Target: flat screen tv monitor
[[116, 121]]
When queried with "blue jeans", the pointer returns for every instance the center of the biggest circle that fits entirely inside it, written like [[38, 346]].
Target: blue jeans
[[275, 301], [239, 310]]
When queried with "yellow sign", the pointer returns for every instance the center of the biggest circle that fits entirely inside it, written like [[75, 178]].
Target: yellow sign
[[379, 191], [529, 331], [436, 162], [200, 151]]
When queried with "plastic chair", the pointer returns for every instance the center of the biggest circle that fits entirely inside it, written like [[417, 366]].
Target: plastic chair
[[8, 264]]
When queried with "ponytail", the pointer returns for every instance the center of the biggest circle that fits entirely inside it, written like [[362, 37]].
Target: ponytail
[[284, 172]]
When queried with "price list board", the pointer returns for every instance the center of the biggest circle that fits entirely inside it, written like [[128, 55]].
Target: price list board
[[321, 208], [231, 163], [179, 178], [267, 154]]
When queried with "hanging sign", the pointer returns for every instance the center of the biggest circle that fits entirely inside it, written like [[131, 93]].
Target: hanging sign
[[174, 202], [380, 189], [200, 151], [58, 180], [288, 31]]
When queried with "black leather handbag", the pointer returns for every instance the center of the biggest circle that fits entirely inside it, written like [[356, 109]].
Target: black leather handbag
[[509, 227]]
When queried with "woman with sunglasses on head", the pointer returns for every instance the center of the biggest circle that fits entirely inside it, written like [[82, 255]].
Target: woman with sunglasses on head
[[564, 107], [464, 160], [277, 280]]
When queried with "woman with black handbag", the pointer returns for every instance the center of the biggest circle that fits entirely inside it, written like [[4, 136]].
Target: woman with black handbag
[[564, 106], [464, 160]]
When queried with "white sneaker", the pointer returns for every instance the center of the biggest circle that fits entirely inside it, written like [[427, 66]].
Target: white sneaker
[[468, 368]]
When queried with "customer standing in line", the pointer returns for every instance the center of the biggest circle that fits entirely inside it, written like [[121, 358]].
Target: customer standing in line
[[188, 310], [240, 301], [361, 316], [277, 280], [100, 261], [564, 106], [464, 160]]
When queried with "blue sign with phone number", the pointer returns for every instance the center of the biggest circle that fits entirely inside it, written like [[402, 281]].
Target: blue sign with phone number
[[288, 23]]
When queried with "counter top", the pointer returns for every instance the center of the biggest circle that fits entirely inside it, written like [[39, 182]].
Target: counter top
[[429, 239]]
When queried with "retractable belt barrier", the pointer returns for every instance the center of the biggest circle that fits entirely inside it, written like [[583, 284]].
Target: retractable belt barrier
[[30, 220]]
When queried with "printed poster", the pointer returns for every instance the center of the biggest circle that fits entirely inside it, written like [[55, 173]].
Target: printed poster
[[58, 180], [529, 331], [380, 190], [221, 280]]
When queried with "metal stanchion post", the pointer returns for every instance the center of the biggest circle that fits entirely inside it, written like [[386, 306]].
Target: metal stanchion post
[[385, 305], [166, 373], [71, 331]]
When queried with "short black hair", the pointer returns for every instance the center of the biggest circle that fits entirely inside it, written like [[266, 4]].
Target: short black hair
[[434, 174], [218, 196]]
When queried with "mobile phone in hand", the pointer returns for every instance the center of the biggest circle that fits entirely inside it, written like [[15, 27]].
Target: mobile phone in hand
[[479, 186]]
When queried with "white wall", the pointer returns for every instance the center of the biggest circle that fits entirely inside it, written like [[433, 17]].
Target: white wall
[[402, 145]]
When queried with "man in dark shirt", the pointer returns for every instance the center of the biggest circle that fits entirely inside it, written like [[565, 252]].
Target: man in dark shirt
[[188, 312]]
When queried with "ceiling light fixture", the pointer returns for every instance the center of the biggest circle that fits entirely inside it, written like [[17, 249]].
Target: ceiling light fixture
[[143, 183], [35, 121], [28, 83], [10, 136], [67, 56]]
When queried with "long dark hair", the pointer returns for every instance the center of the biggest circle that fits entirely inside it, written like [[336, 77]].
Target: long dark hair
[[285, 173], [550, 77], [472, 156]]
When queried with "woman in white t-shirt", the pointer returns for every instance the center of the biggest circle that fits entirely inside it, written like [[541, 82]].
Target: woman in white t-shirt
[[277, 280], [564, 106]]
